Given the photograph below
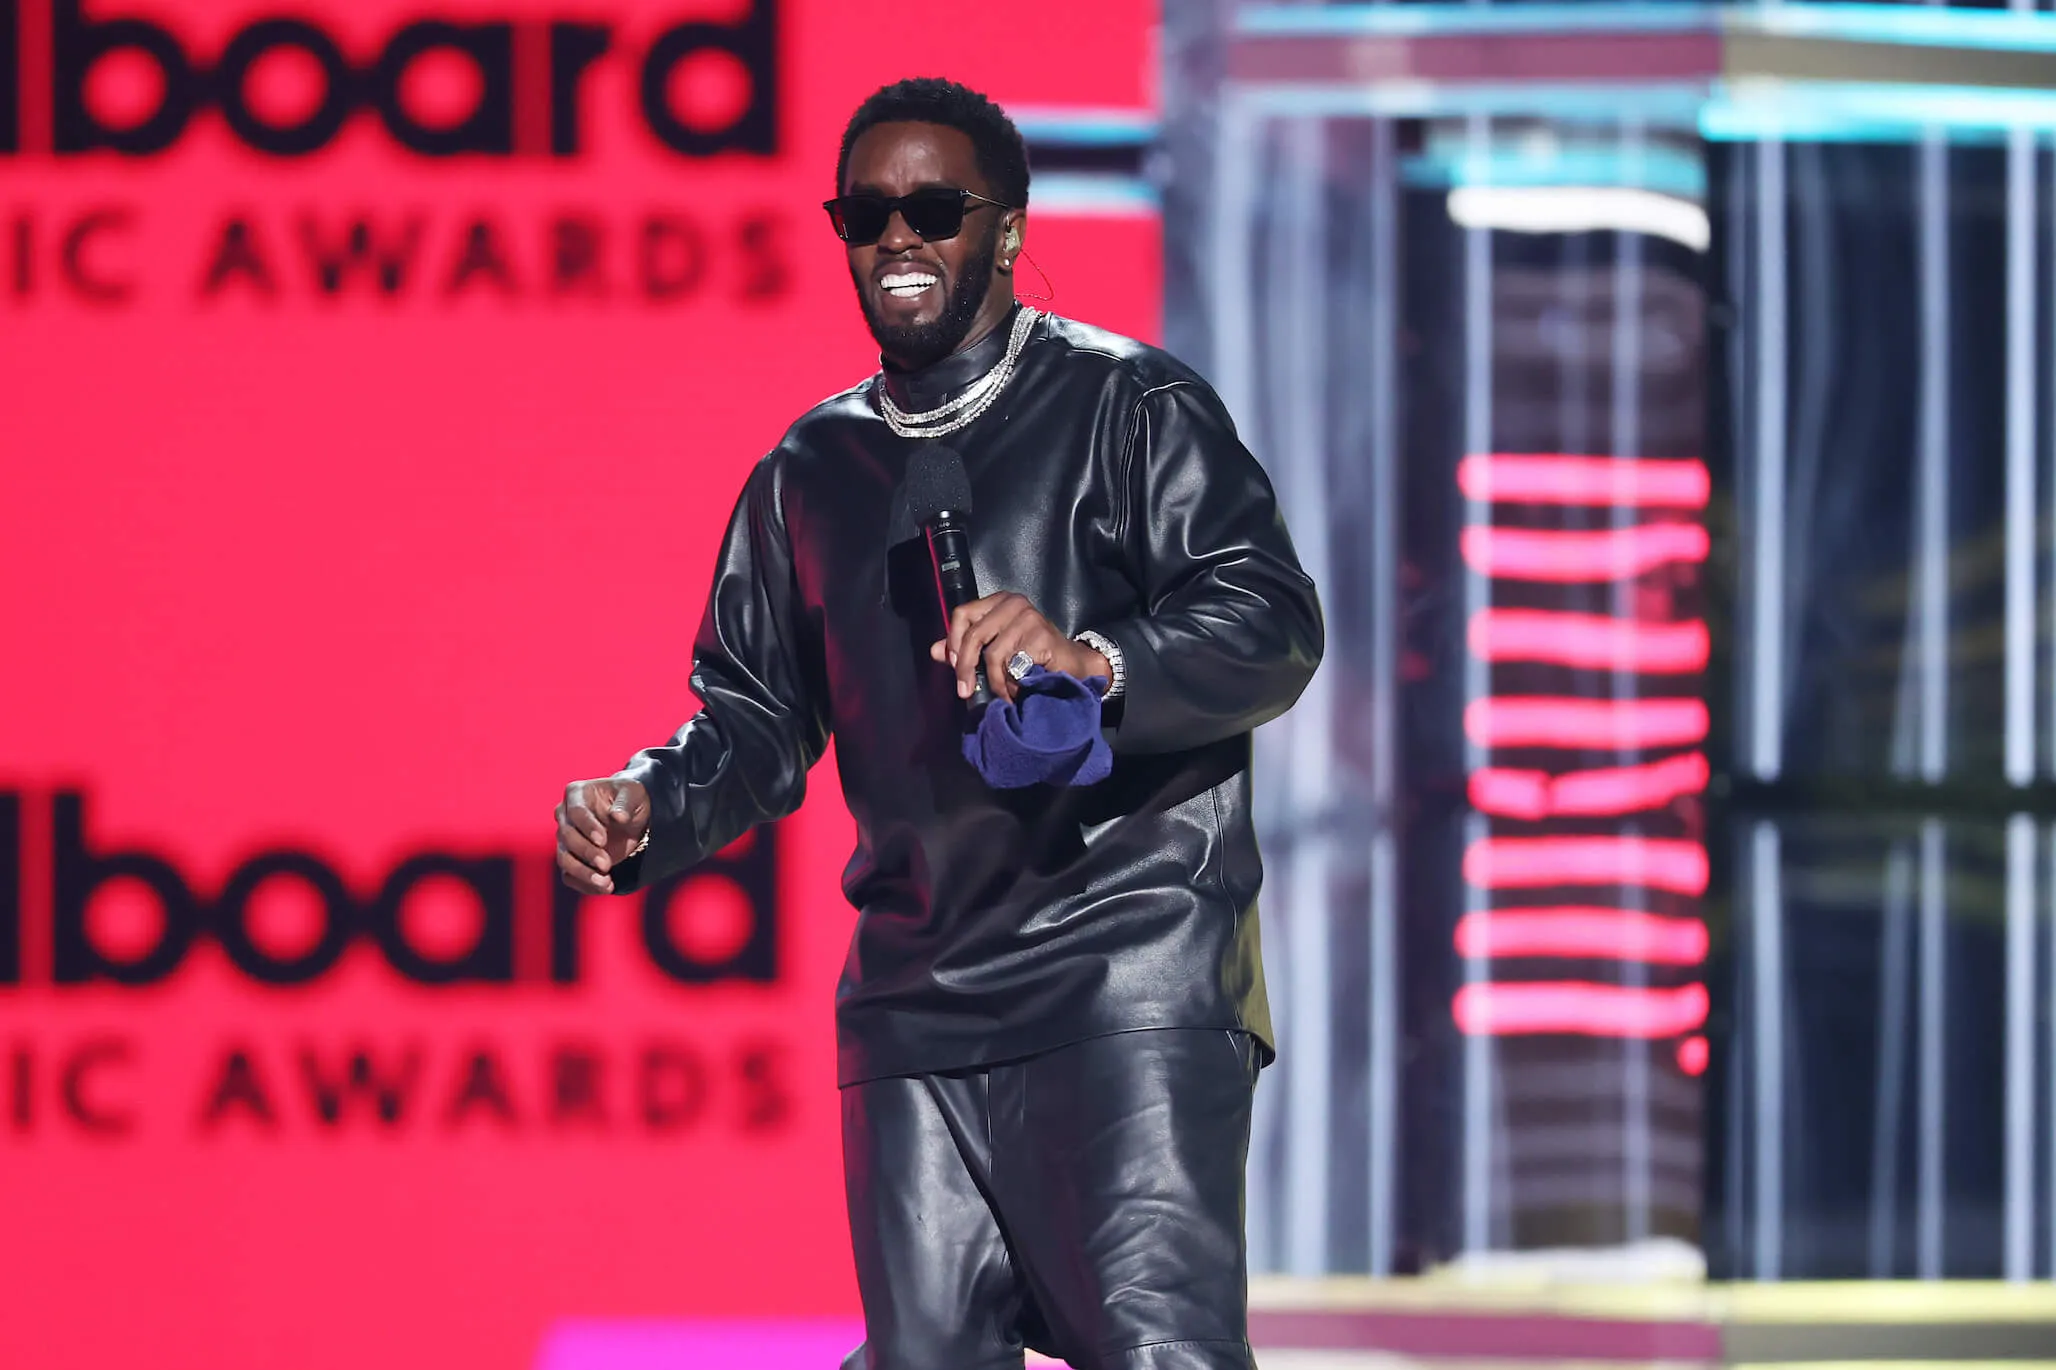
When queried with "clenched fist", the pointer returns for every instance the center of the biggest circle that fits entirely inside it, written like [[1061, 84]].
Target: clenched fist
[[599, 823]]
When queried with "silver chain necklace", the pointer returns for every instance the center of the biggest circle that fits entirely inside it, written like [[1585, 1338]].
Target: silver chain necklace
[[965, 408]]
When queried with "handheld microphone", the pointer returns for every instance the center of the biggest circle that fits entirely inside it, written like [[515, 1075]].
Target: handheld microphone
[[938, 494]]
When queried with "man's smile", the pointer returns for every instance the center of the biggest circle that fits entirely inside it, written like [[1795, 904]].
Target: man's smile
[[908, 283]]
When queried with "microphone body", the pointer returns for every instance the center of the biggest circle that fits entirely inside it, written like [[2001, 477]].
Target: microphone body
[[949, 545], [937, 495]]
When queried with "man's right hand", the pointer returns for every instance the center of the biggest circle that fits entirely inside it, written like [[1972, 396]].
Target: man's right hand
[[599, 823]]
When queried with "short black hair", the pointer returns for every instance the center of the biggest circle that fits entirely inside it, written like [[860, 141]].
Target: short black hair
[[1002, 155]]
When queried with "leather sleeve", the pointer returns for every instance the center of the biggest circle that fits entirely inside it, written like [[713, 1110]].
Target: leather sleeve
[[1233, 630], [743, 758]]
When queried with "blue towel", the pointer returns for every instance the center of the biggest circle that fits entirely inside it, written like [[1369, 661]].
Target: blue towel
[[1051, 736]]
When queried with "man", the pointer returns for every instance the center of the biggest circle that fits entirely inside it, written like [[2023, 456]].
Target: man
[[1053, 1012]]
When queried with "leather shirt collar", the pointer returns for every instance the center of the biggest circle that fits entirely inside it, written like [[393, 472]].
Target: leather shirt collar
[[945, 380]]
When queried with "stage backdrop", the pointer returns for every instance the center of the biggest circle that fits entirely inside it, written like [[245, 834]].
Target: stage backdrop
[[375, 381]]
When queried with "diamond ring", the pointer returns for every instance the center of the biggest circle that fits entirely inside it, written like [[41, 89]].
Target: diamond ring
[[1019, 664]]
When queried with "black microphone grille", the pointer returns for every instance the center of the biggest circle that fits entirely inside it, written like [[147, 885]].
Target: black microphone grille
[[937, 480]]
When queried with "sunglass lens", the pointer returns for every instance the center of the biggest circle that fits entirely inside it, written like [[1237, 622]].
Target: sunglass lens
[[859, 219], [934, 214]]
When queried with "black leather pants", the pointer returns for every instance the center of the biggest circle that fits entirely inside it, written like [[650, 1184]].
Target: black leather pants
[[1087, 1202]]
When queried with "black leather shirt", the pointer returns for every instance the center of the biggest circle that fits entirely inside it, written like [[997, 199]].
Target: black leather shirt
[[1111, 490]]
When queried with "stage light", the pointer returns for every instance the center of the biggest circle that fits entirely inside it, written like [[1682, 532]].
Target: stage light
[[1562, 479], [1580, 557], [1605, 792], [1586, 724], [1518, 1009], [1582, 209], [1658, 863], [1592, 642], [1582, 934]]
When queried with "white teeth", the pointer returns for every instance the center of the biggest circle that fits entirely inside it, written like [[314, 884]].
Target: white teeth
[[906, 286]]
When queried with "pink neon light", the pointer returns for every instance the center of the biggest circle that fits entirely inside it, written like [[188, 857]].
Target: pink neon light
[[1582, 934], [1553, 478], [1577, 557], [650, 1343], [1588, 1010], [1607, 793], [1588, 641], [1692, 1055], [1660, 863], [1589, 724]]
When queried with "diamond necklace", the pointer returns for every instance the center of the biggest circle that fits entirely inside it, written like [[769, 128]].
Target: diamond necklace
[[961, 411]]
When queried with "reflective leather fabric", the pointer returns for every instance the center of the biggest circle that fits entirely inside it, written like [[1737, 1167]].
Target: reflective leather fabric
[[1111, 490], [1087, 1203]]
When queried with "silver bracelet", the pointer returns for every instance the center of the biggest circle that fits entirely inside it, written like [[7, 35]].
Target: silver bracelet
[[1106, 647], [643, 845]]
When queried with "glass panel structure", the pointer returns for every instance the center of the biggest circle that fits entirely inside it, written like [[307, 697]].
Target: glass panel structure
[[1662, 868]]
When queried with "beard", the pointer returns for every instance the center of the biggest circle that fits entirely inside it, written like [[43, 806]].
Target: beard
[[914, 346]]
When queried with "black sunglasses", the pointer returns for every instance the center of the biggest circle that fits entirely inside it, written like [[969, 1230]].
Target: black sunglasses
[[934, 214]]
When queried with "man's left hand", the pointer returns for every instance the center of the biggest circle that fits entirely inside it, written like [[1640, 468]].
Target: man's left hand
[[996, 627]]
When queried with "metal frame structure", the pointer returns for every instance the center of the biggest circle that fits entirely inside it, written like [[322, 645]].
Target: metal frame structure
[[1256, 95]]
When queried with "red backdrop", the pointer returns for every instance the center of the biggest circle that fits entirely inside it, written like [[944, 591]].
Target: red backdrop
[[354, 560]]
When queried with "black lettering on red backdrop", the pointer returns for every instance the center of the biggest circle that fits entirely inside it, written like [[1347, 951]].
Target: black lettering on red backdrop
[[658, 1086], [328, 474], [187, 83], [740, 886], [10, 889], [661, 258], [10, 78], [719, 923]]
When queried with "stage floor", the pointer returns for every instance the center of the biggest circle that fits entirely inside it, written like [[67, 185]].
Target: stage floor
[[1449, 1324]]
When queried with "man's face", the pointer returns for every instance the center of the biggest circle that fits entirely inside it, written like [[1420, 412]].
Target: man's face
[[924, 299]]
